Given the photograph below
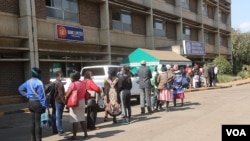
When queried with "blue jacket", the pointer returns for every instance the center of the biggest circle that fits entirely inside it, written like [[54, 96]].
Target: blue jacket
[[34, 84]]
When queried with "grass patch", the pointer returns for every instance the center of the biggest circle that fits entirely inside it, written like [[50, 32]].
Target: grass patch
[[222, 78]]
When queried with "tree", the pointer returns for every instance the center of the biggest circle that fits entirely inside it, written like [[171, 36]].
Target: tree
[[241, 49], [223, 64]]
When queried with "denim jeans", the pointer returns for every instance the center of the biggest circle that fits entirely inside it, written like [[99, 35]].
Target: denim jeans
[[154, 98], [57, 116], [125, 103]]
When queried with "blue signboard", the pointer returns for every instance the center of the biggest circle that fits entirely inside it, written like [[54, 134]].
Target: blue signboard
[[64, 32], [193, 48]]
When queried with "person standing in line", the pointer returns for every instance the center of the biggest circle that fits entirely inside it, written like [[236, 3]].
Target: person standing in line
[[178, 91], [154, 83], [121, 73], [77, 114], [145, 75], [211, 75], [165, 94], [205, 75], [161, 69], [216, 70], [124, 87], [92, 105], [189, 75], [33, 89], [112, 78], [59, 104]]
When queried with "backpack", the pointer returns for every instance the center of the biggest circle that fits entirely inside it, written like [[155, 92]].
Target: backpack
[[50, 91], [114, 109]]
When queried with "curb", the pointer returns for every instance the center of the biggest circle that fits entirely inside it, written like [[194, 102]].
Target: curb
[[242, 83], [208, 88], [25, 110]]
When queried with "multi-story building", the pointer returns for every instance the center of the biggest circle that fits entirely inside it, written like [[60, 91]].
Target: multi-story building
[[69, 34]]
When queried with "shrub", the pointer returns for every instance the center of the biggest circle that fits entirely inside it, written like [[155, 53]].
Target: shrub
[[224, 66], [222, 78]]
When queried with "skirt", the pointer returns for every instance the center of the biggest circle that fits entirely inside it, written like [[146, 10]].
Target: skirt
[[165, 95], [77, 114], [179, 96]]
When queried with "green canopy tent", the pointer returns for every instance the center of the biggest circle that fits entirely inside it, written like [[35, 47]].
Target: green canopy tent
[[153, 58]]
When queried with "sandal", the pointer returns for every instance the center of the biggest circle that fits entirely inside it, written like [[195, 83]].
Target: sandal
[[71, 137], [105, 119], [86, 137]]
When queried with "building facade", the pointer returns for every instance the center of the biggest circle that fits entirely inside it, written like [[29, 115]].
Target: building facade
[[69, 34]]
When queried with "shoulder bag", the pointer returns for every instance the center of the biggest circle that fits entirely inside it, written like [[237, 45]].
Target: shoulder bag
[[73, 99]]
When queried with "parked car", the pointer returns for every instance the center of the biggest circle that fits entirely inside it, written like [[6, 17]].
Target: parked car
[[100, 72]]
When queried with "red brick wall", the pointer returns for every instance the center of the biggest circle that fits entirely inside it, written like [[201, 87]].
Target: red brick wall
[[40, 9], [171, 30], [89, 13], [9, 6], [138, 24], [12, 75]]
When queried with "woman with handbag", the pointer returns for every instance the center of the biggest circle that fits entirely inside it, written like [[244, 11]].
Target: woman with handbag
[[165, 92], [92, 105], [33, 89], [76, 92]]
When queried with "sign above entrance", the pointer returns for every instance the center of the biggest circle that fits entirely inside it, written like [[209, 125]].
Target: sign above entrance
[[64, 32], [193, 48]]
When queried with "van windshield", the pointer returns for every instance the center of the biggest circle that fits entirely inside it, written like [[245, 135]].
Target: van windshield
[[98, 71], [95, 71]]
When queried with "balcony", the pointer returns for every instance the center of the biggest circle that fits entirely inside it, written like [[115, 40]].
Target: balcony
[[165, 7]]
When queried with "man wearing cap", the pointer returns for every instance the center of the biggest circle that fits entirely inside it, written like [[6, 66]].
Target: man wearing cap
[[145, 75]]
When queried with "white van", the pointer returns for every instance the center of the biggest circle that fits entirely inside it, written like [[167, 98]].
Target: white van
[[100, 72]]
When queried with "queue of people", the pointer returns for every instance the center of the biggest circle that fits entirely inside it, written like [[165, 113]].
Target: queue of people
[[154, 93]]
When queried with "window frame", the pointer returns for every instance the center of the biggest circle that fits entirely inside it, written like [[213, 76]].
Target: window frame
[[185, 4], [159, 31], [121, 22], [62, 10]]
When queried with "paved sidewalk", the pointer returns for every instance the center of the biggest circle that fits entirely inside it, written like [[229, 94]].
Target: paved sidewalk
[[22, 107]]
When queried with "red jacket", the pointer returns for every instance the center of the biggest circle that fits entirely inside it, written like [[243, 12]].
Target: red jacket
[[91, 85]]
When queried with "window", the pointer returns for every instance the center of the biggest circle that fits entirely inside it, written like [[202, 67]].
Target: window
[[185, 4], [186, 32], [121, 20], [223, 16], [206, 37], [63, 9], [159, 27], [204, 9]]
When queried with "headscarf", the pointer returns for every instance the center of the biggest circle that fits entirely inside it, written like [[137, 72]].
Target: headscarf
[[36, 72]]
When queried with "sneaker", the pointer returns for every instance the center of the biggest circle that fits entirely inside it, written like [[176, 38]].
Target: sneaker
[[62, 133]]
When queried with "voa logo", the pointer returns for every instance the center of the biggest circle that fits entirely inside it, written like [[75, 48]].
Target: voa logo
[[236, 132]]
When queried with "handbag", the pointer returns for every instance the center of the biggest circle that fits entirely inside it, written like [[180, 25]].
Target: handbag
[[73, 99], [45, 120]]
